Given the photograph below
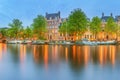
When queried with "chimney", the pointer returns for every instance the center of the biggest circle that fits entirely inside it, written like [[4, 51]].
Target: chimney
[[59, 13], [102, 14], [111, 15]]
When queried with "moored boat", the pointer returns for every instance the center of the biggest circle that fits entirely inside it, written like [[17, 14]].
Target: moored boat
[[14, 41]]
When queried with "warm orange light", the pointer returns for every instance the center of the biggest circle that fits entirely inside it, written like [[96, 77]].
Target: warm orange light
[[22, 53], [101, 54], [0, 51], [113, 55], [66, 54], [86, 54], [79, 53], [74, 52], [46, 56]]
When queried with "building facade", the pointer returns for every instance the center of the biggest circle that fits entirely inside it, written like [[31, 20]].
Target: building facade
[[53, 23]]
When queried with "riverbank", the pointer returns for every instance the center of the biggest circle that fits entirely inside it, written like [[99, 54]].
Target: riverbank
[[42, 42]]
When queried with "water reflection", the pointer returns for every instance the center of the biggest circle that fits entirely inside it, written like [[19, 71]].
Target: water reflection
[[75, 55], [3, 50], [56, 61], [22, 53]]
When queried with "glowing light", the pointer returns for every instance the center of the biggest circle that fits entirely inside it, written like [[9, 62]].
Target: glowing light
[[22, 53], [66, 54], [86, 54], [46, 56], [74, 52], [0, 51], [101, 54]]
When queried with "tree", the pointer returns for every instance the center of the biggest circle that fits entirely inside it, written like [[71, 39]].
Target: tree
[[28, 32], [3, 32], [64, 28], [95, 26], [39, 26], [77, 21], [111, 27], [15, 28]]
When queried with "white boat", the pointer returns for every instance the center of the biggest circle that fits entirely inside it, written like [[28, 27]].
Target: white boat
[[26, 42], [106, 42], [38, 42], [87, 42], [67, 43], [14, 41]]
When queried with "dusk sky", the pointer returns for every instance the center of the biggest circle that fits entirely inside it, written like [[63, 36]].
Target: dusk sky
[[27, 10]]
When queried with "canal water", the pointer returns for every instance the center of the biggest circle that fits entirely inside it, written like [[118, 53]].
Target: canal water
[[57, 62]]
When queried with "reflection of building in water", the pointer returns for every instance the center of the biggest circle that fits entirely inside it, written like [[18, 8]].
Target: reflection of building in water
[[86, 54], [106, 53], [76, 56], [3, 49], [46, 56], [82, 53], [55, 56], [40, 54], [112, 54], [22, 53], [66, 54]]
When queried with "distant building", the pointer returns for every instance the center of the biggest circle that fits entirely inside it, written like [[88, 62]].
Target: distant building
[[53, 23], [105, 18], [2, 37]]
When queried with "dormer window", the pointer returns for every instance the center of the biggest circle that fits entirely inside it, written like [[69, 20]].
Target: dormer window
[[50, 18]]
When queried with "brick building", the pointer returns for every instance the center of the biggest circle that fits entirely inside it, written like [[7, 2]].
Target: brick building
[[53, 23]]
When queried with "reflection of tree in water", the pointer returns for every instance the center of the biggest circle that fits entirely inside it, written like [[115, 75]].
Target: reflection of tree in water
[[14, 50], [38, 53], [18, 51], [94, 54], [77, 57]]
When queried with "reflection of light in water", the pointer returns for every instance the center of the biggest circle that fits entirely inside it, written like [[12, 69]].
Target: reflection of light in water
[[79, 53], [46, 56], [112, 54], [101, 54], [3, 49], [22, 53], [0, 51], [66, 54], [105, 52], [35, 53], [74, 52], [86, 54], [104, 55], [54, 52]]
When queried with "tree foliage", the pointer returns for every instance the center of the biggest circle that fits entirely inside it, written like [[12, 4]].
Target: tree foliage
[[64, 27], [111, 26], [77, 21], [95, 25], [15, 28], [39, 26]]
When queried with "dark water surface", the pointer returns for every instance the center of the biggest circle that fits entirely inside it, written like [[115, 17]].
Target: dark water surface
[[53, 62]]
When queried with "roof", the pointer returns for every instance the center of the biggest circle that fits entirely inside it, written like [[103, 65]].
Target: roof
[[105, 18], [52, 15], [117, 18]]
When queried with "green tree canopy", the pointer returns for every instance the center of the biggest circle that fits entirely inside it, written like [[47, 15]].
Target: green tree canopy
[[77, 21], [3, 32], [28, 32], [39, 25], [15, 28], [64, 27], [95, 25], [111, 26]]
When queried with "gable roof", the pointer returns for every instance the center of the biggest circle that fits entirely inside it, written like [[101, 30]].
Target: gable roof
[[52, 15]]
